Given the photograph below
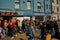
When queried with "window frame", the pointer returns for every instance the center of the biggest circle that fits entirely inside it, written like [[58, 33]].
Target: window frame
[[57, 9], [29, 5], [39, 5], [17, 4], [47, 6]]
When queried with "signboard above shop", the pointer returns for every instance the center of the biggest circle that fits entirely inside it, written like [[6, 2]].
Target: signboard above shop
[[8, 13]]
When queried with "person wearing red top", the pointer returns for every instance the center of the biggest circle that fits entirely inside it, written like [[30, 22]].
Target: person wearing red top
[[12, 26]]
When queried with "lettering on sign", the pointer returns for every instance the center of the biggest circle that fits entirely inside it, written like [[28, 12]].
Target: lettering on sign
[[8, 13]]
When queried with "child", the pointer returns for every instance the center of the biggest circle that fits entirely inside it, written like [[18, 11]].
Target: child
[[1, 32]]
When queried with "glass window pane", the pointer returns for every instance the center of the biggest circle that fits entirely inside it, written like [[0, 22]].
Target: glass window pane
[[57, 9], [47, 6], [39, 5], [28, 5], [57, 1], [17, 6]]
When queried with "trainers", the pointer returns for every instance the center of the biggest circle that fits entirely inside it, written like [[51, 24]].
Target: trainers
[[12, 37]]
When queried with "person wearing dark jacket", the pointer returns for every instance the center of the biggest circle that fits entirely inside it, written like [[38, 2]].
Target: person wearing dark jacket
[[52, 28], [42, 27], [23, 26], [31, 31], [48, 26], [56, 29]]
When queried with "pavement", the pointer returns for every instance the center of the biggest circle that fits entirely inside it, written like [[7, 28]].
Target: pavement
[[24, 37]]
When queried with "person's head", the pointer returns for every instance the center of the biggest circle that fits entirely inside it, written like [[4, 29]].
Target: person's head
[[18, 20], [48, 21], [5, 20], [12, 20], [30, 23]]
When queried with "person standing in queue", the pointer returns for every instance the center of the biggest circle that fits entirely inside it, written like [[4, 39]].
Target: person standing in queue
[[1, 34], [48, 26], [12, 30], [31, 31], [23, 26], [43, 30], [19, 25], [56, 29], [5, 27]]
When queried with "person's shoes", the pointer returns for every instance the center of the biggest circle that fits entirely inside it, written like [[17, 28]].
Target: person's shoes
[[12, 37]]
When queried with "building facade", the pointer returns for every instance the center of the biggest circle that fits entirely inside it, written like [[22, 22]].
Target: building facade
[[27, 7], [56, 9]]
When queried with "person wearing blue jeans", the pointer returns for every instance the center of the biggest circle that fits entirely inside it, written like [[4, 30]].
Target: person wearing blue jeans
[[31, 32], [12, 28], [12, 32], [6, 30]]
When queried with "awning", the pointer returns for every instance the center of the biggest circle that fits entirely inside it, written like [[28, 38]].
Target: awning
[[38, 14], [28, 14], [25, 13], [48, 14]]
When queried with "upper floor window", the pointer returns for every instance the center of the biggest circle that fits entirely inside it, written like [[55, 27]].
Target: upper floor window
[[23, 1], [46, 6], [53, 1], [39, 5], [17, 4], [57, 1], [28, 5], [57, 9], [50, 7], [54, 7]]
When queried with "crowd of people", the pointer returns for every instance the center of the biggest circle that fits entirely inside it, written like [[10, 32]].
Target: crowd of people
[[27, 26]]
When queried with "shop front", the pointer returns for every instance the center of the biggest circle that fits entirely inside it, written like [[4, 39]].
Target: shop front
[[7, 15]]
